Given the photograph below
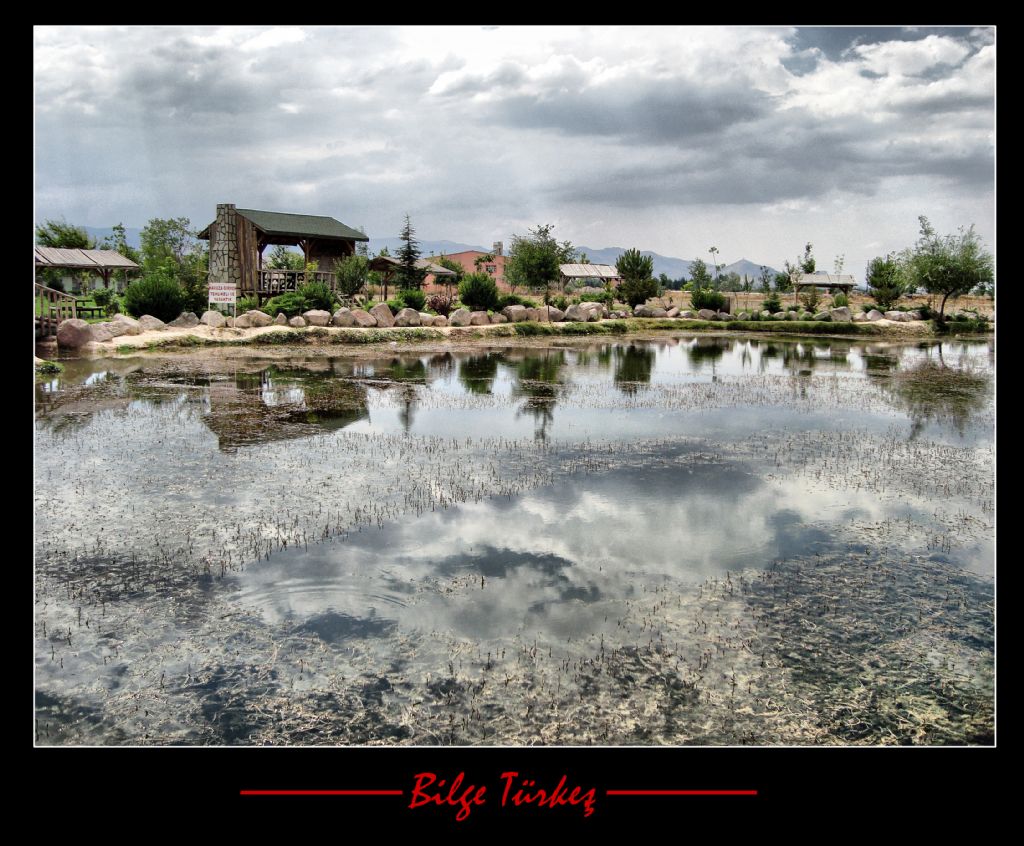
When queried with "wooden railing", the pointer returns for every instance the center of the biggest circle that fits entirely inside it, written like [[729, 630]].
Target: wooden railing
[[271, 282], [51, 307]]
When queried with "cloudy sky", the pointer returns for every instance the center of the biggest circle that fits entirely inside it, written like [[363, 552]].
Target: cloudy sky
[[754, 140]]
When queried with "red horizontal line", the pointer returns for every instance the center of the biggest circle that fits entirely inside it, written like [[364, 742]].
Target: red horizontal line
[[319, 792], [681, 793]]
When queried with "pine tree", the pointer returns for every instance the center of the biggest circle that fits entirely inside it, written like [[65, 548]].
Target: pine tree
[[409, 275]]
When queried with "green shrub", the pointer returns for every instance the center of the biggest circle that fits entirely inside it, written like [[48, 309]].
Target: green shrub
[[247, 304], [396, 305], [157, 294], [772, 303], [290, 303], [479, 292], [707, 298], [317, 295], [413, 299], [606, 297], [840, 301], [103, 296], [440, 304], [560, 302]]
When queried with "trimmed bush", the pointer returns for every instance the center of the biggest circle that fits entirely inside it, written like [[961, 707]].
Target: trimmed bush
[[707, 298], [413, 299], [772, 303], [478, 292], [606, 297], [157, 295], [290, 303], [840, 301], [247, 304], [317, 295]]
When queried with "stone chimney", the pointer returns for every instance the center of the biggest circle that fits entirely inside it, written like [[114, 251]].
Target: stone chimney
[[224, 259], [497, 248]]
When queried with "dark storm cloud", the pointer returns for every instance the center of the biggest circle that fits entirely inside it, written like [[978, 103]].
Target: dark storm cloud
[[656, 111]]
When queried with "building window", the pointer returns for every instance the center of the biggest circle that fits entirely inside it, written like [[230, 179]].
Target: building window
[[490, 268]]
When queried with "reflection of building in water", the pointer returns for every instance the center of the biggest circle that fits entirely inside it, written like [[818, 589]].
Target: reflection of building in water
[[270, 405]]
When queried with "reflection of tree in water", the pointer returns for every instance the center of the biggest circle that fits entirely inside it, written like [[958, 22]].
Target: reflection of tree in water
[[707, 351], [537, 380], [601, 355], [477, 372], [633, 365], [441, 365], [406, 370], [935, 392]]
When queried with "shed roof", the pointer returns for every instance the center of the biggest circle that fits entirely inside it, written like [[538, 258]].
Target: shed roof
[[286, 224], [589, 271], [387, 262], [87, 259], [820, 277]]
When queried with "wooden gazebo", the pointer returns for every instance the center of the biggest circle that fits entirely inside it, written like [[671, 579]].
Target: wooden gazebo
[[101, 262], [832, 282], [386, 266], [238, 238]]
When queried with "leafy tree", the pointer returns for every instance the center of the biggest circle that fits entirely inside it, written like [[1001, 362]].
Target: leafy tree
[[784, 280], [408, 275], [950, 265], [748, 283], [730, 282], [281, 258], [714, 258], [118, 241], [533, 260], [352, 274], [885, 280], [699, 276], [807, 264], [59, 233], [480, 261], [164, 238], [766, 279]]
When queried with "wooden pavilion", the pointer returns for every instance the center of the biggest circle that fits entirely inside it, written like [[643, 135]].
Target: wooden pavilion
[[832, 282], [386, 266], [101, 262], [238, 238]]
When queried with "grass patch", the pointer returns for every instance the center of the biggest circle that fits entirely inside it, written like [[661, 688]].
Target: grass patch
[[962, 326]]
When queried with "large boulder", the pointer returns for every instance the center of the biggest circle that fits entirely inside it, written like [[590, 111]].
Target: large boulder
[[148, 323], [426, 319], [499, 318], [898, 316], [916, 315], [382, 314], [281, 319], [596, 314], [860, 317], [874, 314], [823, 315], [440, 320], [724, 315], [841, 315], [805, 315], [186, 320], [297, 322], [364, 318], [479, 318], [707, 314], [576, 312], [459, 317], [516, 313], [130, 324], [343, 317], [317, 317], [258, 318], [651, 311], [213, 319], [407, 317], [556, 314], [779, 315], [108, 329], [672, 312], [73, 333], [243, 321], [687, 314], [743, 315], [790, 315]]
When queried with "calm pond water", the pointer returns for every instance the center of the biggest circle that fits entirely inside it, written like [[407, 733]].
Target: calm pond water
[[647, 541]]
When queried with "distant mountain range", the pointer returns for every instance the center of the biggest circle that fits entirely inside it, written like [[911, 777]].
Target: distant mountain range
[[672, 267]]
